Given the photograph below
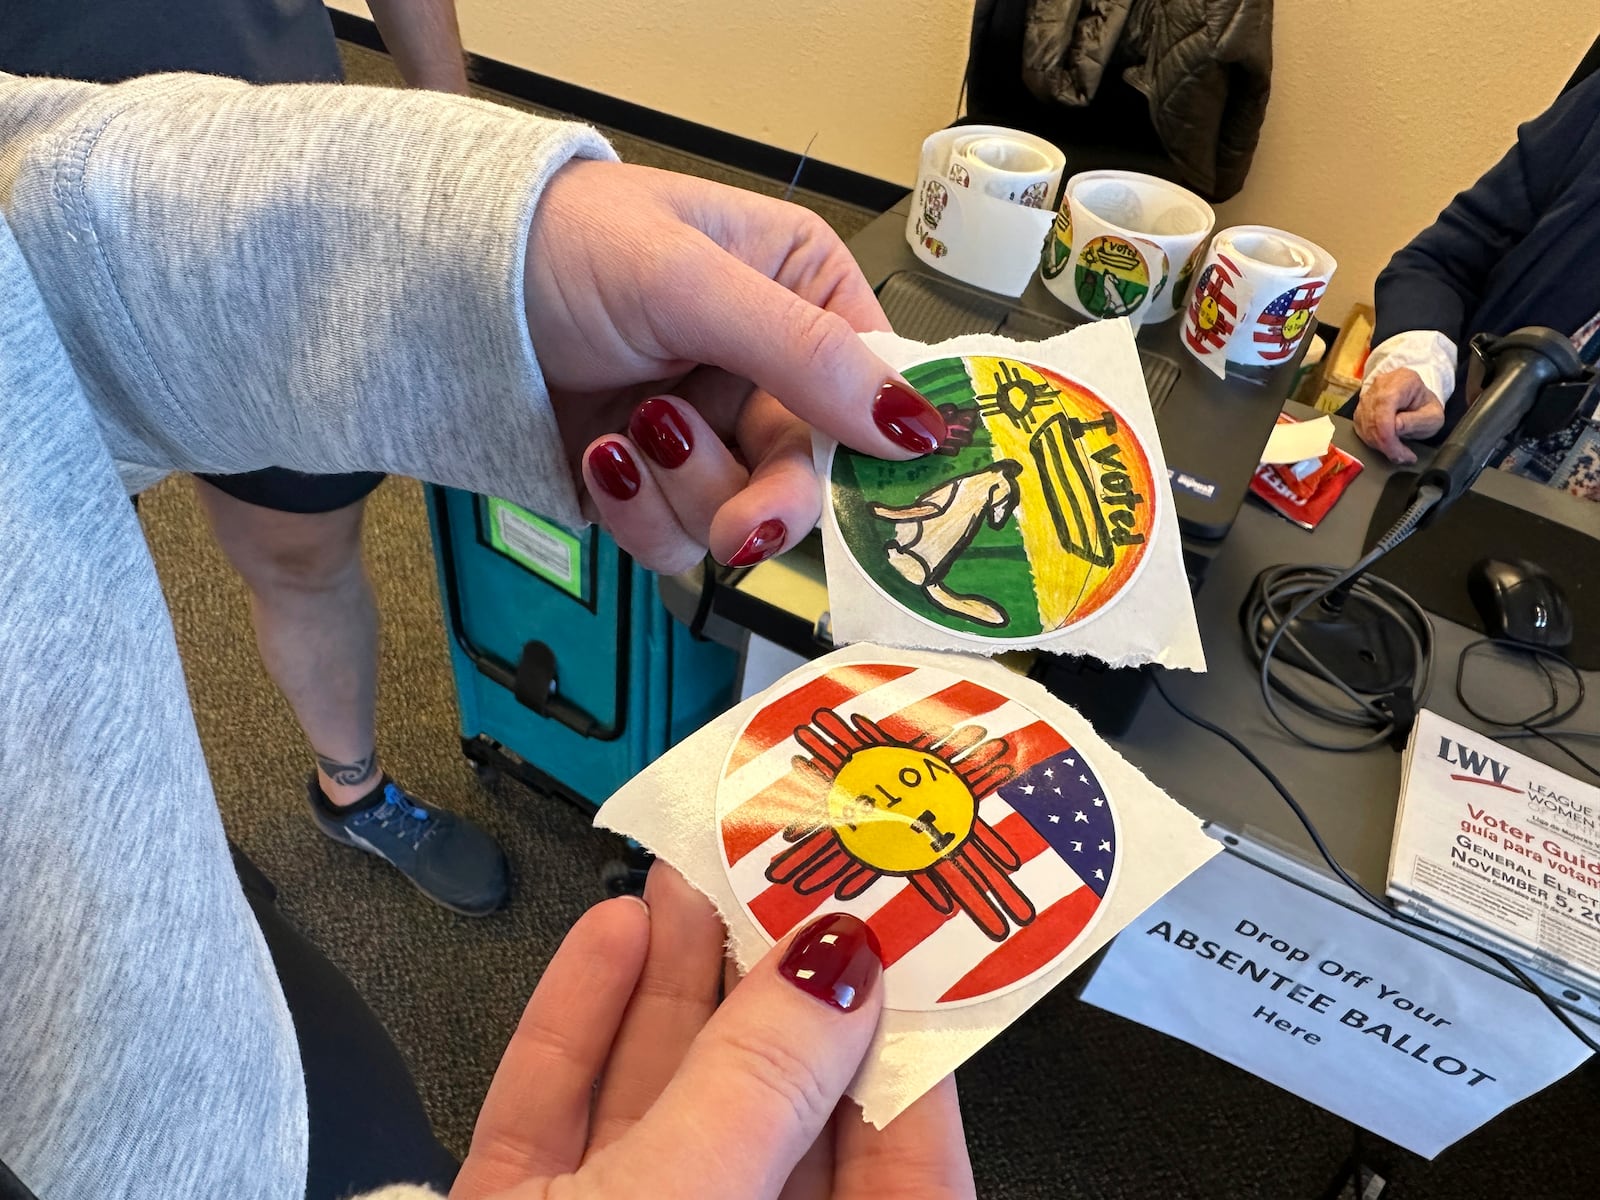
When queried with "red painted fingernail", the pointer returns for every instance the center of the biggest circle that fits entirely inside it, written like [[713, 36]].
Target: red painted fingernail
[[614, 470], [661, 432], [906, 419], [835, 958], [764, 541]]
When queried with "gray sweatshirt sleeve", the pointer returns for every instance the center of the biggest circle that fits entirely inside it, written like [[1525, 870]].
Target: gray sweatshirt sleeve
[[145, 1047], [317, 277], [206, 276]]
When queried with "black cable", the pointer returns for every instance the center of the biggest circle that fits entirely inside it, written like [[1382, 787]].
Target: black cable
[[1283, 594], [1349, 880], [1590, 734], [1567, 750], [798, 167], [1552, 714]]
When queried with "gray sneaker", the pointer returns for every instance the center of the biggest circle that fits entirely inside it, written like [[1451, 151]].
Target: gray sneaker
[[450, 860]]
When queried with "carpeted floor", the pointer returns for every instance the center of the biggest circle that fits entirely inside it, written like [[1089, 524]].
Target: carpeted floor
[[1070, 1102]]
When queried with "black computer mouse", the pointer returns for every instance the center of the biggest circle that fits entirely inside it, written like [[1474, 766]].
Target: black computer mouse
[[1519, 601]]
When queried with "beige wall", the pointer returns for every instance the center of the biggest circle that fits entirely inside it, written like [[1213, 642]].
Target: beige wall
[[871, 78], [1381, 109], [1384, 109]]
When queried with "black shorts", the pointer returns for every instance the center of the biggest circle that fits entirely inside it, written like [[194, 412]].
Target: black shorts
[[283, 490], [262, 41]]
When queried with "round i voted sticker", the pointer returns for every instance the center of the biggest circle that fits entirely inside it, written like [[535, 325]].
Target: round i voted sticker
[[1034, 516], [962, 827]]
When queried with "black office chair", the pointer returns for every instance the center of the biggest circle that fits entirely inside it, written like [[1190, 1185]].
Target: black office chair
[[1113, 132]]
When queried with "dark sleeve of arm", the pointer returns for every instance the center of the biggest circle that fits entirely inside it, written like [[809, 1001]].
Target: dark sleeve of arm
[[1436, 280]]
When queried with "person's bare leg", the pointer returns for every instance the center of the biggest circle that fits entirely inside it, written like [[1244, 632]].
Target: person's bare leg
[[316, 624]]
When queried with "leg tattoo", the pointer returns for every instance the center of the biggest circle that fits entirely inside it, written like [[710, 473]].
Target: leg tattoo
[[348, 774]]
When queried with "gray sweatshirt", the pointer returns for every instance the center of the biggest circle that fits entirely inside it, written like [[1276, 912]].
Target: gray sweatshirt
[[201, 275]]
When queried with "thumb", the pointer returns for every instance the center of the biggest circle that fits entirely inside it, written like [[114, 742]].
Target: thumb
[[761, 1081], [811, 358]]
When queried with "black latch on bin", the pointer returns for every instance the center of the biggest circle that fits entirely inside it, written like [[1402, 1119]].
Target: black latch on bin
[[534, 685], [535, 681]]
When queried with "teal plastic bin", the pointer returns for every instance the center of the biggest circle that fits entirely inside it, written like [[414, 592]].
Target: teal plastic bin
[[570, 673]]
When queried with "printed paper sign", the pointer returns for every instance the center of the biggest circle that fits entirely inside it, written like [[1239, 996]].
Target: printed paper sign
[[990, 839], [1378, 1027], [1501, 847], [967, 831]]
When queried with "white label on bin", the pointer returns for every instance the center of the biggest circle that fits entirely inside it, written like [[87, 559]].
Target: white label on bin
[[544, 548]]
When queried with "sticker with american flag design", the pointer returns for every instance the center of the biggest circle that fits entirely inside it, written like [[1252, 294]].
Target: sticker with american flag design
[[1284, 322], [1214, 308], [967, 831]]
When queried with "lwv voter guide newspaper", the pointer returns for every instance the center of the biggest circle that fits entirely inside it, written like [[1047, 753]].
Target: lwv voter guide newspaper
[[1502, 847]]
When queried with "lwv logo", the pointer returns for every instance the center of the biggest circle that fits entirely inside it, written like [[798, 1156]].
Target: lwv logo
[[1459, 754]]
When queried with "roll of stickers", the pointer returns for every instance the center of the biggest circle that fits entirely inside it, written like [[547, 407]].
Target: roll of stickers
[[980, 209], [1125, 245], [1001, 166], [1255, 298]]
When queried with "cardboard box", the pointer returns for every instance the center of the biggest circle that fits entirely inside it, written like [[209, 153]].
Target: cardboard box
[[1338, 377]]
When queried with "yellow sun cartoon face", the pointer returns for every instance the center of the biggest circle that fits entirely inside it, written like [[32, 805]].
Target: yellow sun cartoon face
[[1295, 324], [1208, 312], [900, 810]]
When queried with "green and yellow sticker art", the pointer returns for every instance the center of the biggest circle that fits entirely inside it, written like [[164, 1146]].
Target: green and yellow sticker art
[[1112, 277], [1034, 516], [1057, 251], [1180, 290]]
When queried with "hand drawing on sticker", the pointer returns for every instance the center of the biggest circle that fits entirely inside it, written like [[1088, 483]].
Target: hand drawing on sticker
[[965, 829], [1092, 516], [1017, 398], [1035, 513], [1283, 322], [1212, 311], [934, 199], [1057, 252], [905, 807], [1180, 290], [931, 535], [959, 423], [1112, 277]]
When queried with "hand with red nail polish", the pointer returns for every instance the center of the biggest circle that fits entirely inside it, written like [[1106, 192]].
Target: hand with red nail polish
[[765, 540], [613, 469], [737, 1101], [717, 328]]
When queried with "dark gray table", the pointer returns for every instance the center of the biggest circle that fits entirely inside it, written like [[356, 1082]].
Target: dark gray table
[[1350, 797]]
